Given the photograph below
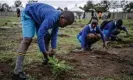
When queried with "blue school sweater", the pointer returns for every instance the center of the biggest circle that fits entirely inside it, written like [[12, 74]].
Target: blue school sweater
[[111, 26], [45, 18], [86, 30]]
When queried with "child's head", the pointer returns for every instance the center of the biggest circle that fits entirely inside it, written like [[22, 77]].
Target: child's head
[[66, 18], [119, 23], [94, 22]]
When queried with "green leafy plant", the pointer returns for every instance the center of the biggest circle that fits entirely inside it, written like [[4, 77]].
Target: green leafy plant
[[59, 67]]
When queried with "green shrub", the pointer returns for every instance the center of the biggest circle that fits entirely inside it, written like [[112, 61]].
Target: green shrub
[[59, 67]]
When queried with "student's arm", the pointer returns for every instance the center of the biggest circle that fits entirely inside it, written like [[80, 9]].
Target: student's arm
[[54, 37], [124, 29], [43, 30], [79, 34], [110, 26], [102, 35], [85, 31]]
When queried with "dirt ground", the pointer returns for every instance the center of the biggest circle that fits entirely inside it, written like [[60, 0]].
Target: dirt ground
[[112, 64]]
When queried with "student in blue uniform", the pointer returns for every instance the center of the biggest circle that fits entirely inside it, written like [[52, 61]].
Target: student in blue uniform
[[45, 21], [113, 28], [90, 34]]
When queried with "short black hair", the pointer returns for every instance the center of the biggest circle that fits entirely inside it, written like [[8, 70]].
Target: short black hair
[[119, 23], [69, 16], [94, 20]]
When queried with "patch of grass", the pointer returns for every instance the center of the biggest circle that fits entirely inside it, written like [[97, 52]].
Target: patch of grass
[[100, 78], [81, 21], [8, 20], [66, 44], [81, 76], [31, 78]]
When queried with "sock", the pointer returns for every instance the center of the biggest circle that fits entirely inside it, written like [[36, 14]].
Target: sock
[[19, 64]]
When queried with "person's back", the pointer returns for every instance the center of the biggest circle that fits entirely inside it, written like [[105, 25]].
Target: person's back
[[104, 23], [40, 11], [112, 29], [109, 25]]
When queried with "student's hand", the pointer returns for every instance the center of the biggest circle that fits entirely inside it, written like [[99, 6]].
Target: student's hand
[[46, 54], [52, 52]]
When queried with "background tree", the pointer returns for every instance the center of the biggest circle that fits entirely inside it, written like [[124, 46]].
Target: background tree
[[5, 7], [98, 7], [17, 3], [128, 7], [114, 4], [123, 3], [103, 6], [106, 4], [89, 5]]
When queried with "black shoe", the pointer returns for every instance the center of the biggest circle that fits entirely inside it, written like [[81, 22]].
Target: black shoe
[[45, 62], [19, 76], [88, 49]]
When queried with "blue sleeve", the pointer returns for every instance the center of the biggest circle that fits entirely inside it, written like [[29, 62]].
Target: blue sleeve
[[54, 37], [79, 34], [102, 35], [110, 27], [85, 31], [43, 30]]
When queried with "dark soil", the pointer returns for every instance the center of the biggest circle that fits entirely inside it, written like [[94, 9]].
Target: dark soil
[[115, 63]]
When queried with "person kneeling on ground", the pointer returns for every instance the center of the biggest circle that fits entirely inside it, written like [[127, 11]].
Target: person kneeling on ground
[[90, 34], [113, 28], [45, 21]]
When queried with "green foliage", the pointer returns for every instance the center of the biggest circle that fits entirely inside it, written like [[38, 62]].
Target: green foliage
[[59, 67], [129, 7], [88, 6], [17, 3], [102, 6]]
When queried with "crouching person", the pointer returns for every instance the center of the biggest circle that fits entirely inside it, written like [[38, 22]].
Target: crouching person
[[90, 34], [113, 28]]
